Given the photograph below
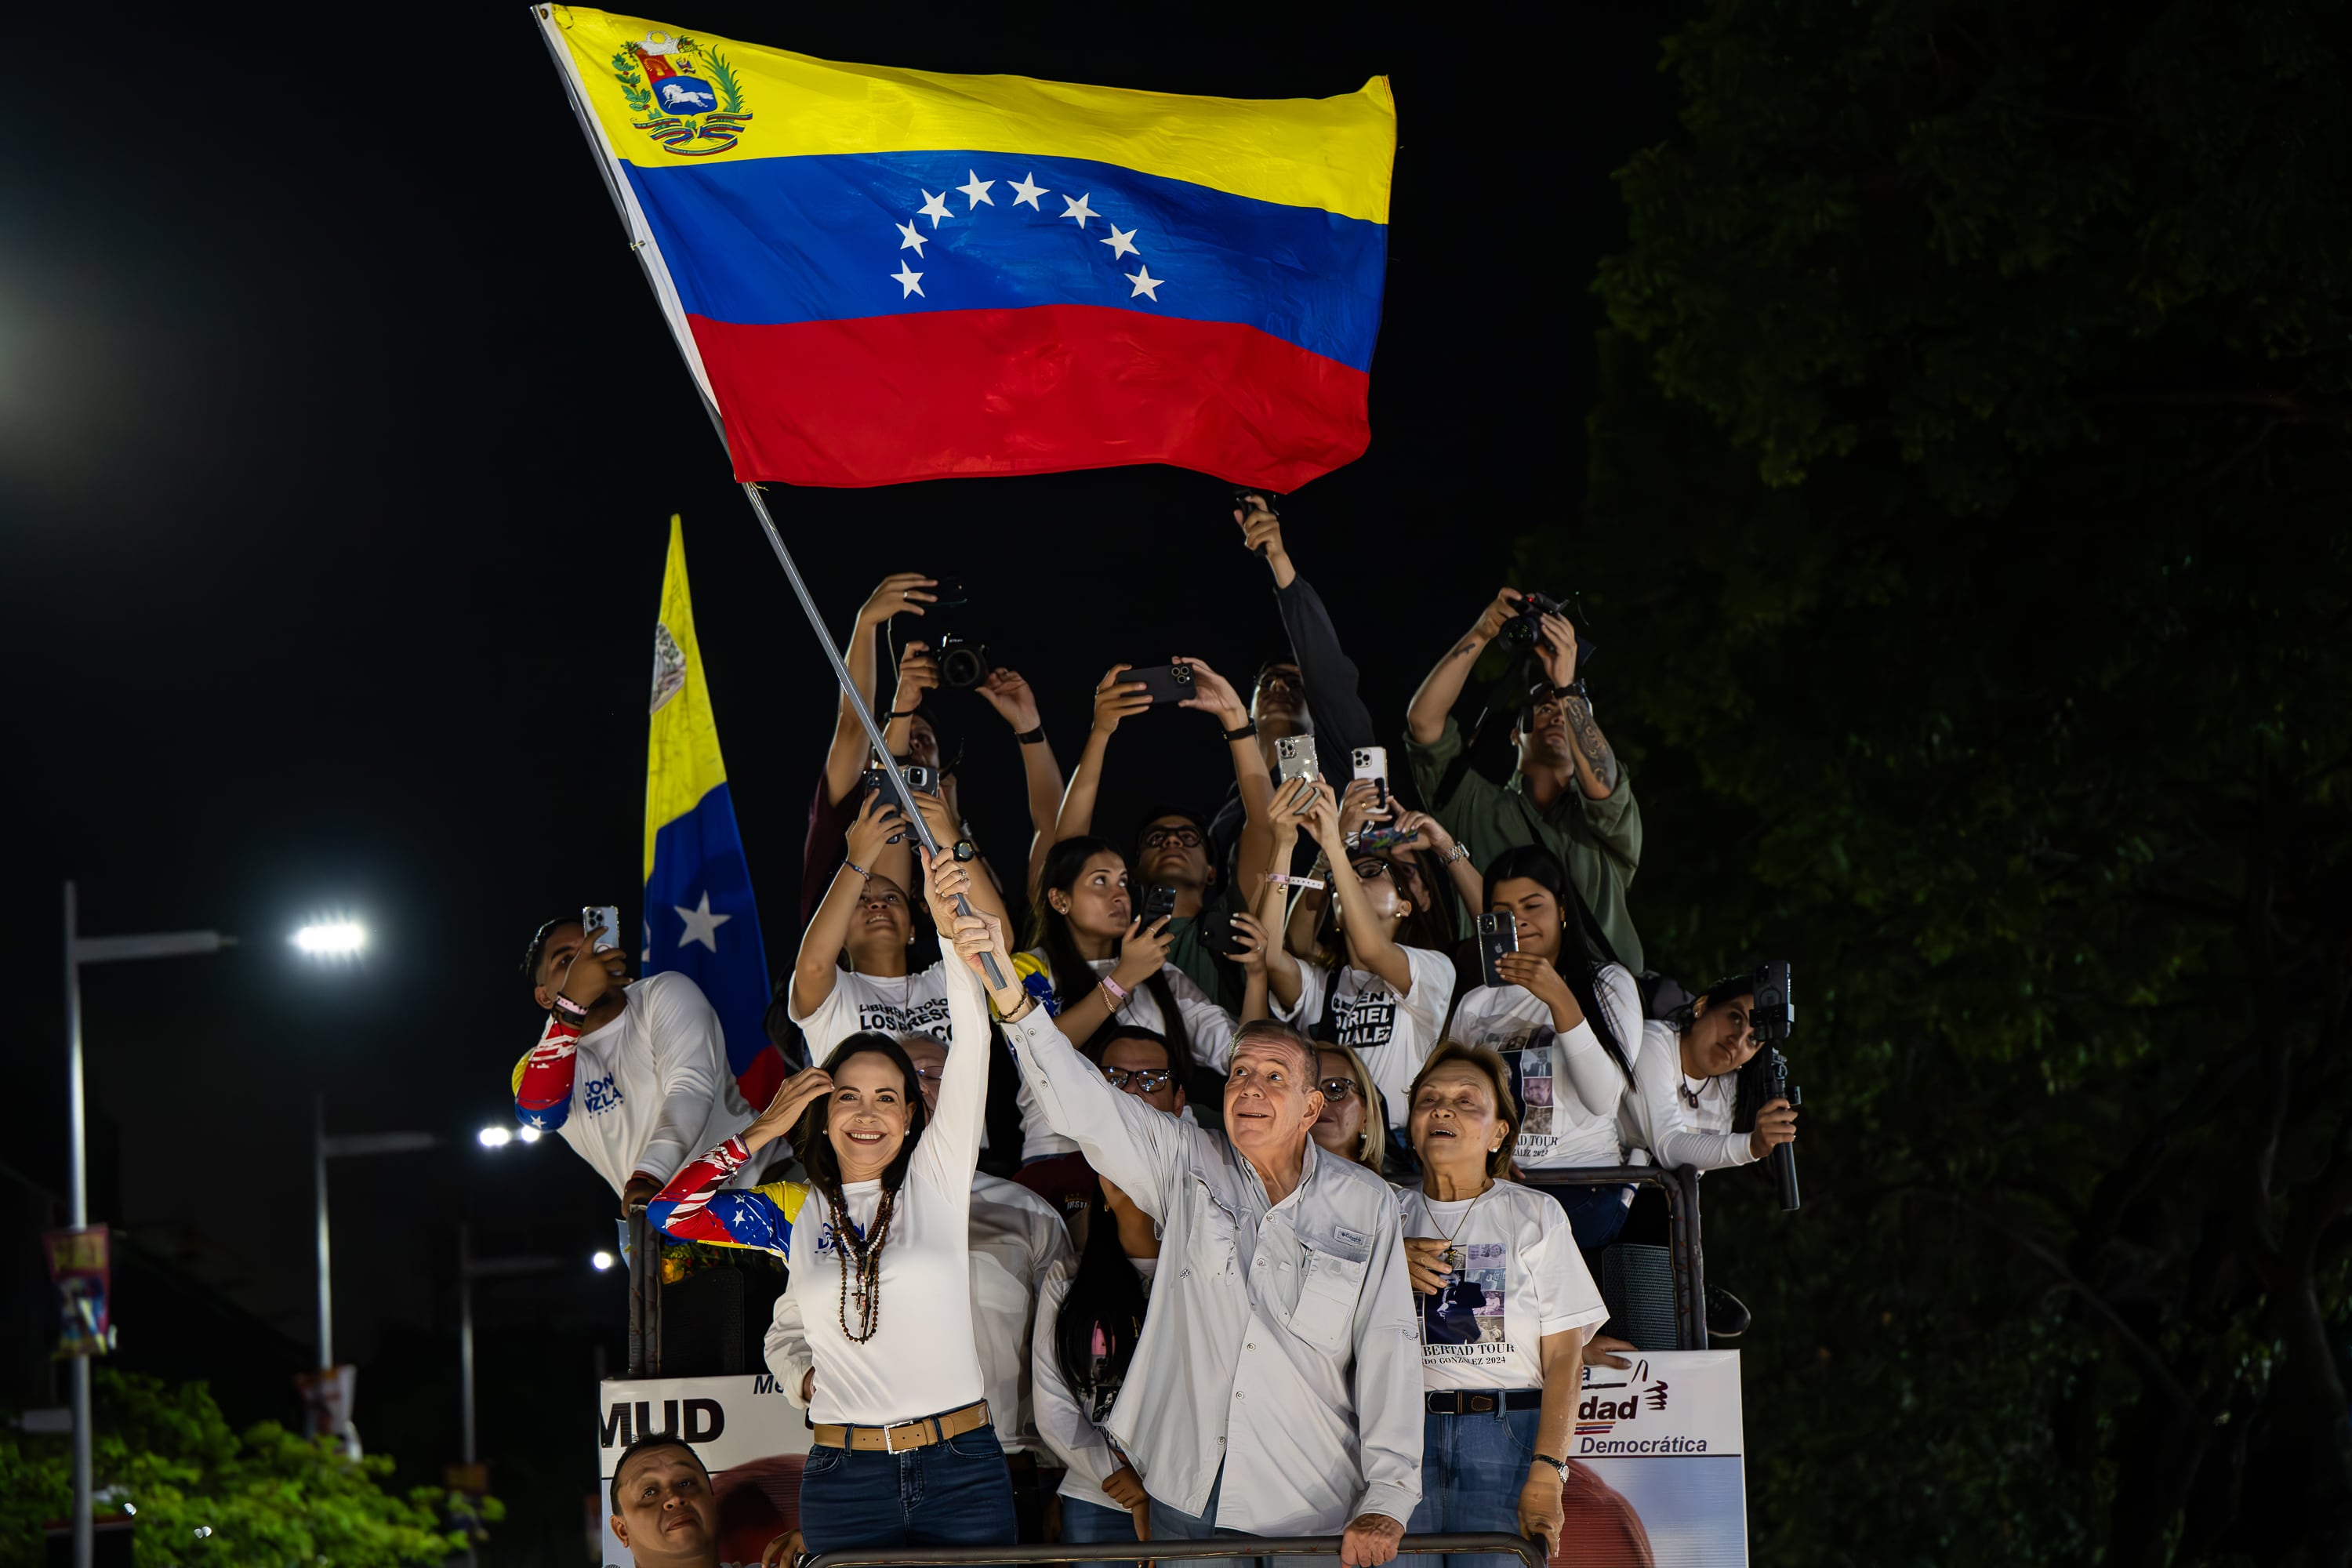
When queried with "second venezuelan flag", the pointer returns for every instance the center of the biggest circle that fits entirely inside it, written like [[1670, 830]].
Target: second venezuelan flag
[[880, 275]]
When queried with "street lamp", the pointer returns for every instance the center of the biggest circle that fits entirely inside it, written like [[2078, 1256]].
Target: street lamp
[[81, 950], [332, 939]]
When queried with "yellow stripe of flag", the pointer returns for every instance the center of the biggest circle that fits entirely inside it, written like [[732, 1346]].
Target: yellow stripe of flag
[[682, 759], [1334, 154]]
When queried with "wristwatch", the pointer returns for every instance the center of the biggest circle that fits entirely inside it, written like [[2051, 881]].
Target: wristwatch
[[1559, 1464], [965, 851]]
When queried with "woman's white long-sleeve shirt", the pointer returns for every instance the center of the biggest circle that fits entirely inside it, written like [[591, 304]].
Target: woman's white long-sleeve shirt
[[1557, 1129], [1660, 1117]]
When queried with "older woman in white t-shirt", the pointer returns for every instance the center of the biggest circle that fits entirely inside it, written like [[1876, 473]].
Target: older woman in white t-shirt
[[1567, 1026], [1689, 1078], [877, 1242], [1507, 1305], [1379, 997]]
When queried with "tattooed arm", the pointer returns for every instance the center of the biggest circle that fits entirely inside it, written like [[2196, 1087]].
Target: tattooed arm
[[1596, 764], [1425, 717]]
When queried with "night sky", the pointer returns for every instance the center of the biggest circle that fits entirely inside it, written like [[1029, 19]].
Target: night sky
[[339, 436]]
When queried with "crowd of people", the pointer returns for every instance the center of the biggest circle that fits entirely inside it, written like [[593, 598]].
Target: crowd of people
[[1240, 1197]]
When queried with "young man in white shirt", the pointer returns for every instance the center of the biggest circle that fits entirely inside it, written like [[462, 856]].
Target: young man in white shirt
[[634, 1077], [1276, 1386]]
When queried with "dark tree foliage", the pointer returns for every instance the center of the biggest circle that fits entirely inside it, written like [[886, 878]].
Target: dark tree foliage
[[1967, 538]]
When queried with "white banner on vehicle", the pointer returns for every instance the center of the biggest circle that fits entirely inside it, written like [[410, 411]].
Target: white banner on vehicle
[[1656, 1474], [751, 1438]]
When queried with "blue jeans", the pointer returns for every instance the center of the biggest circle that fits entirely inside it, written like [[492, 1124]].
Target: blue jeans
[[1169, 1522], [1084, 1523], [952, 1493], [1595, 1214], [1472, 1467]]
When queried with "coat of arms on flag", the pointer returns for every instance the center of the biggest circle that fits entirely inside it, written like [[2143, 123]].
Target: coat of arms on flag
[[687, 96]]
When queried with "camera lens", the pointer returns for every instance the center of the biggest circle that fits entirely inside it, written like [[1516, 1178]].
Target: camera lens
[[964, 667]]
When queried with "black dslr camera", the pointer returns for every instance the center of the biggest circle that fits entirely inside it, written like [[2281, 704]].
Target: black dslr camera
[[963, 663], [1525, 629], [1774, 1015]]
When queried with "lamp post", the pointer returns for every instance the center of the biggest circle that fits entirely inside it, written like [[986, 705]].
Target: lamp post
[[81, 950], [470, 1269], [325, 1148]]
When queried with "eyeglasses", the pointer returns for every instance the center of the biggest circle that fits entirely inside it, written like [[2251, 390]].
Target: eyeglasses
[[1151, 1081], [1367, 870], [1160, 837], [1278, 676], [1337, 1089]]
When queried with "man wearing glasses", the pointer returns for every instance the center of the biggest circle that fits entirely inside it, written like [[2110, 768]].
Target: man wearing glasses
[[1173, 851], [1134, 1060]]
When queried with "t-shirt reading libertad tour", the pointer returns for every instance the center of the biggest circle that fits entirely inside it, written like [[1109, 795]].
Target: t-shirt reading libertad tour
[[1518, 1276], [1557, 1129]]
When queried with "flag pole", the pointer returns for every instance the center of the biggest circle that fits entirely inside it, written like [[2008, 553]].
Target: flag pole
[[641, 245]]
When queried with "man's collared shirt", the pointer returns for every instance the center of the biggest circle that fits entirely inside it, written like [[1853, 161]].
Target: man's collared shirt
[[1282, 1345]]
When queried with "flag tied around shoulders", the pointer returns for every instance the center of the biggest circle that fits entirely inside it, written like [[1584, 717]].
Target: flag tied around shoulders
[[700, 918], [879, 275]]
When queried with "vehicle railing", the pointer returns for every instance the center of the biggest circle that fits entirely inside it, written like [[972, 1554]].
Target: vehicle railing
[[644, 1295], [1529, 1552], [1680, 1184]]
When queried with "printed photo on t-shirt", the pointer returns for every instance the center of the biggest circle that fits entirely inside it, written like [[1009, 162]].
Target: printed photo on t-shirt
[[1531, 1079], [1469, 1310]]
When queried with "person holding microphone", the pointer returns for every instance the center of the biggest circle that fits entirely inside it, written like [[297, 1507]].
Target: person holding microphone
[[877, 1244]]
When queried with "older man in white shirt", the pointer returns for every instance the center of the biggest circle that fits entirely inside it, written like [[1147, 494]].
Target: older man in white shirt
[[1276, 1388]]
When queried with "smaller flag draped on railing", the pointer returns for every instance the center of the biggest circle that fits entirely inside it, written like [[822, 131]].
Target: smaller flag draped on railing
[[879, 275], [700, 919]]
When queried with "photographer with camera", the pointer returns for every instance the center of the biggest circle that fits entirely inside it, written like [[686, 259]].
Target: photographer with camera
[[912, 737], [1568, 792], [1689, 1078]]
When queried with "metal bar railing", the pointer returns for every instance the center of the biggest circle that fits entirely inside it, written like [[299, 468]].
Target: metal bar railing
[[1680, 1184], [1529, 1552], [644, 1295]]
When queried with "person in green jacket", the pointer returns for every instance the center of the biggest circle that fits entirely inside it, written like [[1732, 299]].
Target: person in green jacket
[[1570, 793]]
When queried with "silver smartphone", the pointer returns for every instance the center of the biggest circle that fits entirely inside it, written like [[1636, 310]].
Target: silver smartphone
[[604, 919], [1294, 758], [1372, 763]]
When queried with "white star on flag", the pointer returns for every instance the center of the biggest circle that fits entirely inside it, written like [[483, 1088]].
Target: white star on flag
[[912, 236], [977, 192], [1120, 244], [1024, 191], [935, 207], [701, 925], [1145, 283], [1079, 210], [910, 282]]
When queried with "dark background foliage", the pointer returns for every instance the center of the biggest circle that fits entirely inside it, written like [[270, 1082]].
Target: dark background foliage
[[1967, 487]]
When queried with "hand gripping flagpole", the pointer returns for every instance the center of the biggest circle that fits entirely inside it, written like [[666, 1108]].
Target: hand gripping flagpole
[[641, 245]]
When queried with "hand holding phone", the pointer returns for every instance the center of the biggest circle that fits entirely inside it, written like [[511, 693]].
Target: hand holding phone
[[1165, 682], [1294, 758], [1372, 763], [600, 924], [1158, 904]]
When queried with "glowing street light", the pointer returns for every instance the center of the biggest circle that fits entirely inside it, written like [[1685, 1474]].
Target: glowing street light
[[333, 939], [601, 1260], [494, 1137]]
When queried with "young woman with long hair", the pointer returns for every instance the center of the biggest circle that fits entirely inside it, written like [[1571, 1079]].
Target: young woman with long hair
[[1566, 1026], [856, 972], [1089, 960], [1089, 1317], [1507, 1304], [877, 1242], [1688, 1081], [1356, 982]]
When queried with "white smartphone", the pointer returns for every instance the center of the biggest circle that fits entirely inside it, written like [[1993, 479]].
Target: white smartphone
[[1294, 758], [604, 919], [1372, 763]]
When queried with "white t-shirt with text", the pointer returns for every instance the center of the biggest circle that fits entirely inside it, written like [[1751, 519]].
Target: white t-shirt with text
[[913, 1004], [1518, 1276], [1393, 1034]]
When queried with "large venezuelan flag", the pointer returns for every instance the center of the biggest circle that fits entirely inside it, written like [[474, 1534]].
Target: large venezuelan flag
[[700, 919], [880, 275]]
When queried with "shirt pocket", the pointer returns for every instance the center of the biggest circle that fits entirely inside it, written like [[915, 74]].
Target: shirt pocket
[[1211, 1247], [1332, 1278]]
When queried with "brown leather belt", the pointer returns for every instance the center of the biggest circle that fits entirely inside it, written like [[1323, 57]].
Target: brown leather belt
[[920, 1432]]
